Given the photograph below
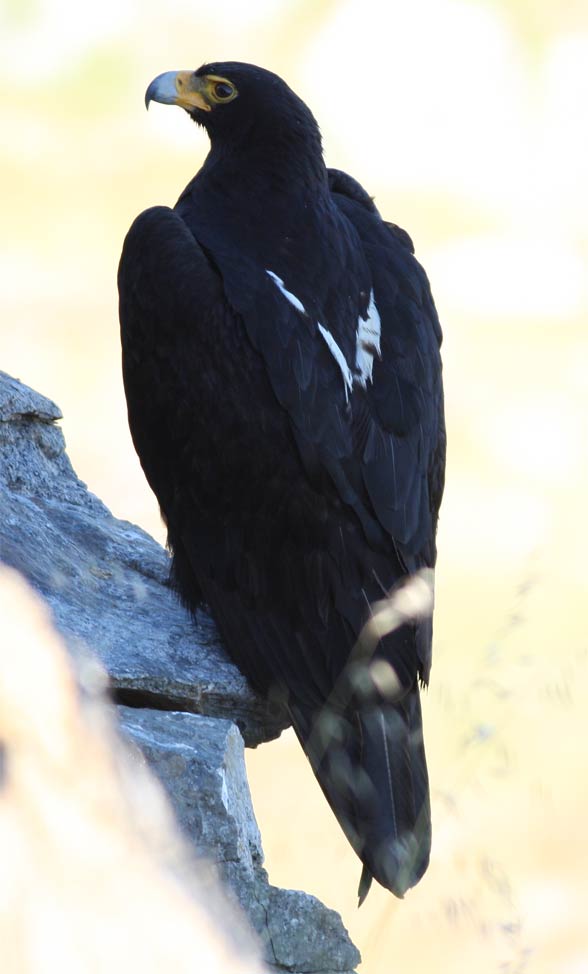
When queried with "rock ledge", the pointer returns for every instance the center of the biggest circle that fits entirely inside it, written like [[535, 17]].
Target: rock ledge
[[105, 581]]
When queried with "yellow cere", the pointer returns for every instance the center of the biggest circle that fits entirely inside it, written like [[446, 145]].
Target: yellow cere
[[189, 89]]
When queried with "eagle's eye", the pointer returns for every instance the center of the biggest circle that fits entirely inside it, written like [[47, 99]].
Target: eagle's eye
[[219, 89], [223, 90]]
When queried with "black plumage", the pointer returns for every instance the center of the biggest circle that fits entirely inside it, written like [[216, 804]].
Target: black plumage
[[283, 379]]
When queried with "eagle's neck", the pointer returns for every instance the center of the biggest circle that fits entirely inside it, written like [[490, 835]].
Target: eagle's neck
[[262, 196], [286, 161]]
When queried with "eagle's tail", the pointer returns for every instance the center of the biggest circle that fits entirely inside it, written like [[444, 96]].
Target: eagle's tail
[[370, 763]]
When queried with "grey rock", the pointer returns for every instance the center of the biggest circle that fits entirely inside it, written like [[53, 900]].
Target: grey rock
[[19, 402], [106, 583], [200, 762], [106, 579], [201, 765], [305, 936]]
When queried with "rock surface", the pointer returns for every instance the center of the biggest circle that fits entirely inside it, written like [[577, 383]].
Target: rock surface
[[106, 580], [200, 762], [106, 583]]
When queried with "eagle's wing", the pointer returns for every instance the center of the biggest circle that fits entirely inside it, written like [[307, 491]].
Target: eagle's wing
[[375, 449], [404, 451], [166, 287], [404, 440]]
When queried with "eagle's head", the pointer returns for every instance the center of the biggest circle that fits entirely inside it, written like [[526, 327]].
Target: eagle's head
[[238, 103]]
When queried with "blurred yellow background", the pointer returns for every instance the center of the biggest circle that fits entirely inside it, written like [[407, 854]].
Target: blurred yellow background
[[468, 121]]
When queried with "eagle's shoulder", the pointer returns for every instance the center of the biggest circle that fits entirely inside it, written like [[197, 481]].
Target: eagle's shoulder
[[342, 184]]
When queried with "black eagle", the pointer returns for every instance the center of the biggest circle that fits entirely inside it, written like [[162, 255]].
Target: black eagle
[[283, 380]]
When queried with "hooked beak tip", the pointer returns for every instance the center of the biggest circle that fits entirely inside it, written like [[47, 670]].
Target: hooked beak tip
[[162, 89]]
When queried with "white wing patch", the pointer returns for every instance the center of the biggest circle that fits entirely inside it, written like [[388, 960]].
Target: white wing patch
[[367, 343], [294, 301], [339, 359]]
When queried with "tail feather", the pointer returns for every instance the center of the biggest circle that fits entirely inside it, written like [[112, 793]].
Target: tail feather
[[370, 763], [396, 830]]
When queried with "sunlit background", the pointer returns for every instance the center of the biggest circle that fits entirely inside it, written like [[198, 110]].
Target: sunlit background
[[468, 121]]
